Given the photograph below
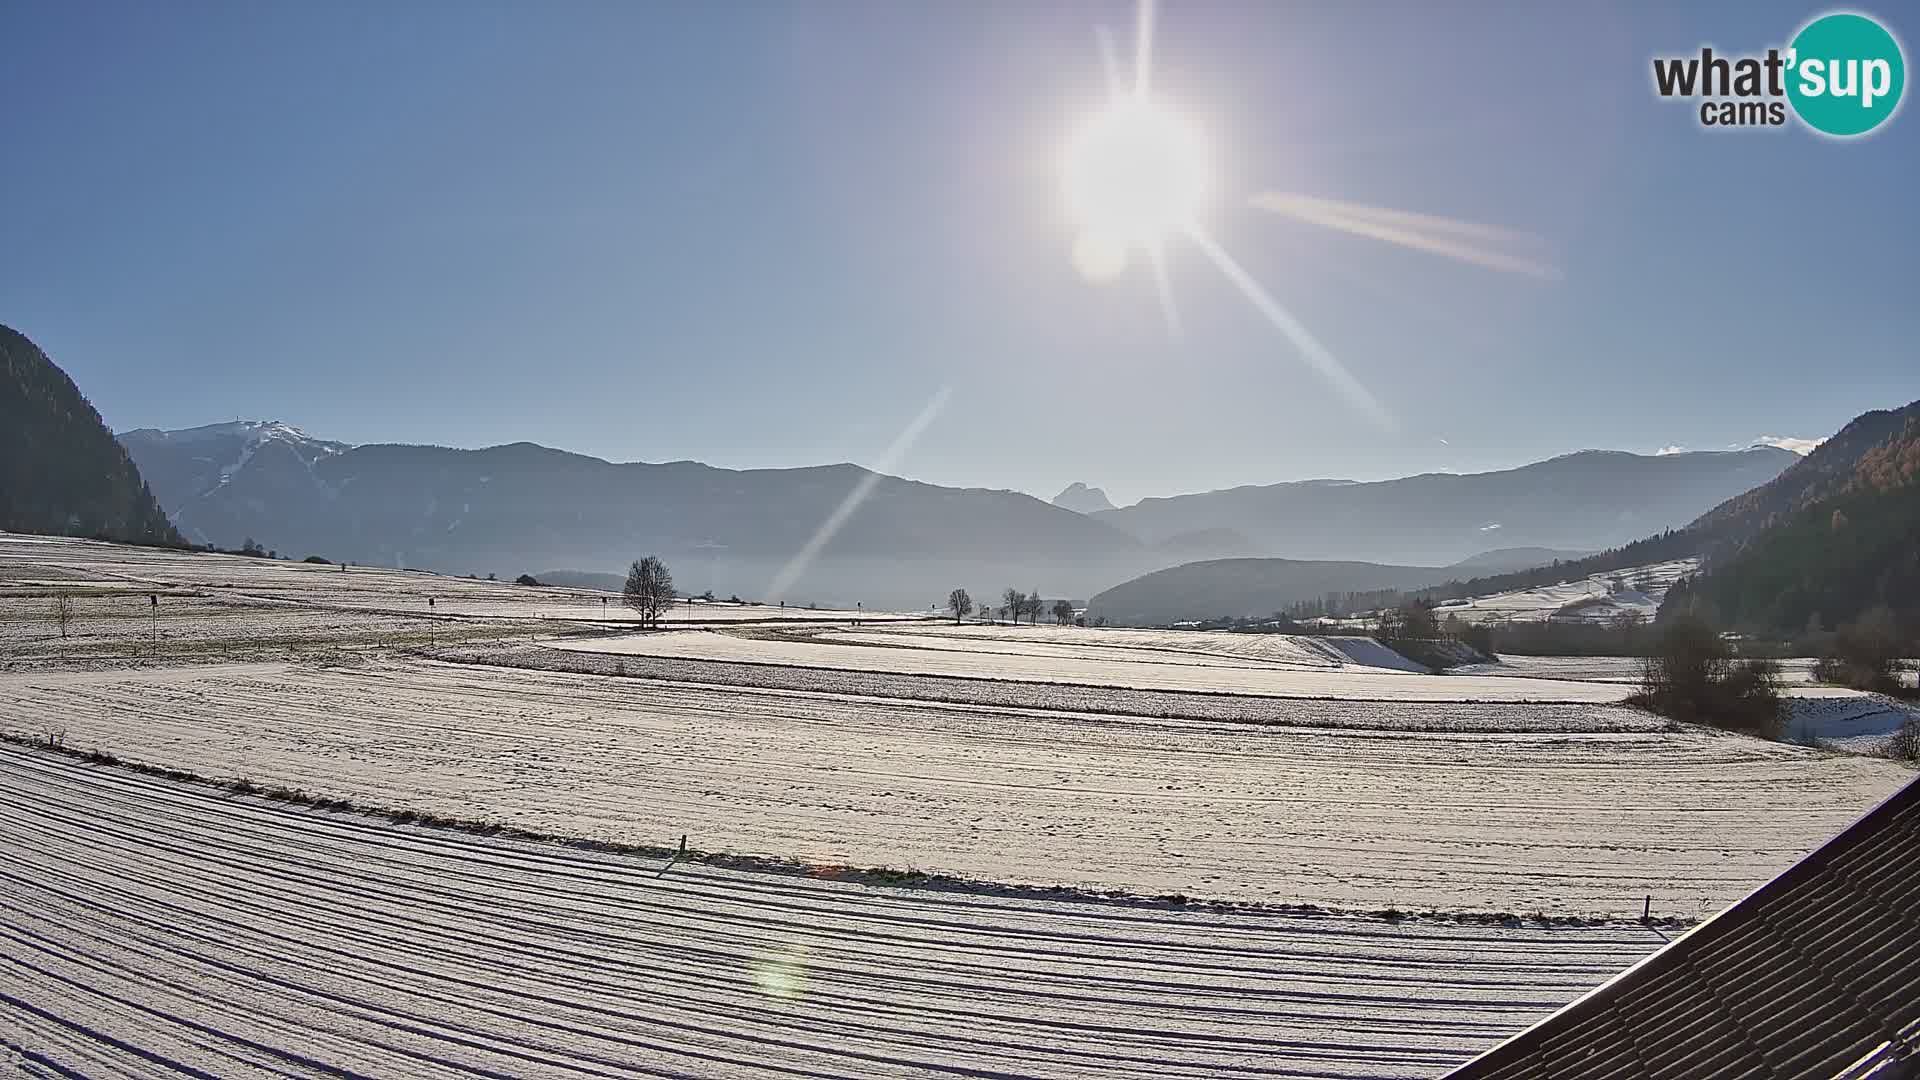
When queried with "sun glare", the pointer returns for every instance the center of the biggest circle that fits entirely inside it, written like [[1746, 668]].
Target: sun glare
[[1137, 175], [1134, 174]]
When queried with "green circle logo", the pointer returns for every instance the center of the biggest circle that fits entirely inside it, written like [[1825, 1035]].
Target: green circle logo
[[1845, 73]]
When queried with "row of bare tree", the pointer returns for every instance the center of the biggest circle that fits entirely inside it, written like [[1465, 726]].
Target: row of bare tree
[[1014, 605]]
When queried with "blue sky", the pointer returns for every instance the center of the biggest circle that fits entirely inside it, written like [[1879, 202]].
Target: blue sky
[[767, 235]]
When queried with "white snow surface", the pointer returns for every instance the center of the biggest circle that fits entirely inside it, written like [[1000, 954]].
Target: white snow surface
[[148, 928], [1605, 604], [237, 579], [1848, 720], [1475, 818], [1091, 661]]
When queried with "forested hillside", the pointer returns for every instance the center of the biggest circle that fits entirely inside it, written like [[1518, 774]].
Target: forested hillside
[[1778, 549], [1828, 559], [61, 471]]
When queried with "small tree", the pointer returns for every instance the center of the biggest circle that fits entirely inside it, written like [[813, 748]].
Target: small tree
[[1063, 612], [960, 604], [63, 613], [1035, 606], [1418, 621], [1013, 604], [649, 590]]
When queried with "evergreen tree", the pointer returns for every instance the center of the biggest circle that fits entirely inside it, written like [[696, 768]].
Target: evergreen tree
[[61, 471]]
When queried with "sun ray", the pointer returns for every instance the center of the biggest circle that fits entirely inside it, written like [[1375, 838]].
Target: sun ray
[[1157, 255], [1316, 354], [1466, 241], [1110, 59], [1143, 48], [888, 460]]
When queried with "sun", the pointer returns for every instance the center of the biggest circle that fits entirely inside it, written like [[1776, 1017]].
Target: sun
[[1138, 175], [1134, 174]]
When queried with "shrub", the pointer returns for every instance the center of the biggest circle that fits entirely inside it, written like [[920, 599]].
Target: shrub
[[1865, 654], [1692, 677], [318, 560], [1905, 744], [526, 579]]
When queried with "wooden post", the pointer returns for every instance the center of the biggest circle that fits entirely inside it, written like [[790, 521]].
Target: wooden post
[[1646, 911]]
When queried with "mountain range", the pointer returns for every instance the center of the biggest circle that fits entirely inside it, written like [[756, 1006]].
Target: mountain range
[[833, 533], [1834, 534], [1585, 501], [519, 507], [506, 509]]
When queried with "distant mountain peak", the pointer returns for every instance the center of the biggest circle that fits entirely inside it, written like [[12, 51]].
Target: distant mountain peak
[[187, 464], [249, 433], [1082, 499]]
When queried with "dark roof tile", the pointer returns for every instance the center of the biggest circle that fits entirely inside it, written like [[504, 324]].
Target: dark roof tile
[[1814, 974]]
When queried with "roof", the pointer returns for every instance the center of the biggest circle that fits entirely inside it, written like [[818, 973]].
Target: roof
[[1814, 974]]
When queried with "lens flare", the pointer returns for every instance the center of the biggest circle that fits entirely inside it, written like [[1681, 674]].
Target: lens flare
[[782, 975], [889, 458], [1488, 246]]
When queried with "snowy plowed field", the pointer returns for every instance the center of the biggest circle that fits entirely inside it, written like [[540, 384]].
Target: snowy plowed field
[[150, 929], [1091, 662], [31, 566], [1561, 822]]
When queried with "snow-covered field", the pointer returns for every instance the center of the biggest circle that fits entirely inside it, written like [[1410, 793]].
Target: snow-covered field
[[150, 928], [1324, 712], [1140, 646], [31, 566], [1797, 671], [1595, 592], [112, 624], [1848, 720], [1092, 663], [1562, 821]]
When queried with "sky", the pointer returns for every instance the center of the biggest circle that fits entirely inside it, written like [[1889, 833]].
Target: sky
[[768, 235]]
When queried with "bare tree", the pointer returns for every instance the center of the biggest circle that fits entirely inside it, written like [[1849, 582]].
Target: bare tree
[[1034, 606], [960, 604], [649, 590], [1063, 612], [63, 613], [1013, 604]]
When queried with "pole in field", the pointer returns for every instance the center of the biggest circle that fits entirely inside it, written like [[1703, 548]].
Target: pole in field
[[677, 856]]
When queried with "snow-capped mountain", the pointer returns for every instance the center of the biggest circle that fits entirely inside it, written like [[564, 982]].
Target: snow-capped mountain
[[263, 456]]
